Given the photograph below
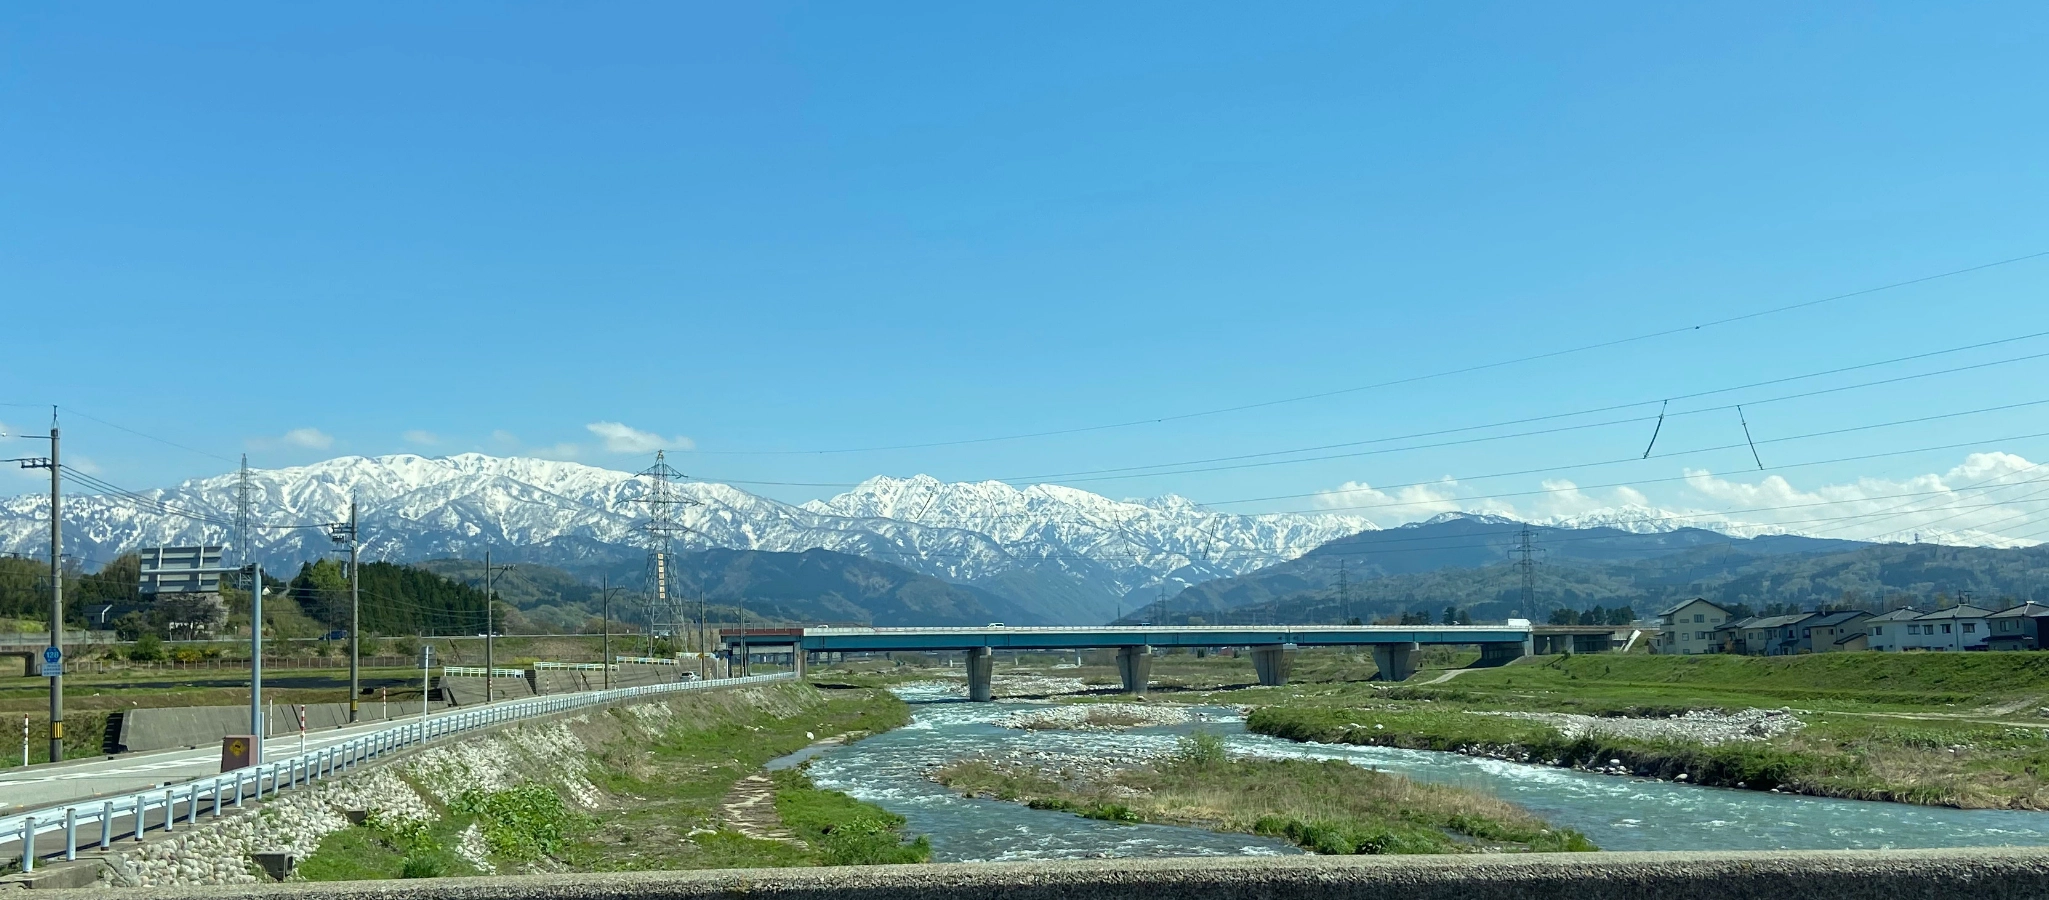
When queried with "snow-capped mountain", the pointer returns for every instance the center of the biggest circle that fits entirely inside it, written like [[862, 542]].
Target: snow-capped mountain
[[1032, 543]]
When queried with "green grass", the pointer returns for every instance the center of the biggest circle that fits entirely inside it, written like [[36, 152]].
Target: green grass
[[1327, 806], [844, 831], [380, 850], [1953, 729], [1946, 682], [676, 780]]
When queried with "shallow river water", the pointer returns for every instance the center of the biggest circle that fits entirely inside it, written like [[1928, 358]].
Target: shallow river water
[[1617, 813]]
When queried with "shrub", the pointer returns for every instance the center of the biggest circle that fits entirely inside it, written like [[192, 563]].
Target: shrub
[[148, 648]]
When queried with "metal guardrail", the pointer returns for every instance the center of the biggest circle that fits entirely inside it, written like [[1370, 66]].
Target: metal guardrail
[[735, 636], [231, 789]]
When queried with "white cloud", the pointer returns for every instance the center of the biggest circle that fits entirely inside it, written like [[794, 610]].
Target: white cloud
[[1405, 504], [505, 439], [309, 438], [302, 438], [622, 438], [562, 451], [423, 438], [1998, 499]]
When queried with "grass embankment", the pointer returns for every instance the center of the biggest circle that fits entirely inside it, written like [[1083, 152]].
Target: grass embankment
[[1934, 729], [1328, 807], [670, 788], [660, 780]]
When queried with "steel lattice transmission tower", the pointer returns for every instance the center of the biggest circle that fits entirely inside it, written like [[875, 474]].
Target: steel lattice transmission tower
[[659, 532], [1526, 547]]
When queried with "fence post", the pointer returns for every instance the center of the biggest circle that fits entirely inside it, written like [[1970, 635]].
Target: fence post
[[170, 808], [141, 821], [216, 797], [107, 825], [71, 832], [28, 844]]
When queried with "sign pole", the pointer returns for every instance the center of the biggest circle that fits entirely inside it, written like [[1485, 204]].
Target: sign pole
[[256, 660]]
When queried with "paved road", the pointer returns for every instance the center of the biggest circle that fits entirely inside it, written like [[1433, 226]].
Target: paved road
[[96, 776]]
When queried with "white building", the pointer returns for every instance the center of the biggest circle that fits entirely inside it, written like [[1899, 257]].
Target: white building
[[1889, 632], [1955, 628], [1689, 628]]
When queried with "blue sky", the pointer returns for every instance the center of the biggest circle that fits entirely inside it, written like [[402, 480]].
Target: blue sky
[[306, 232]]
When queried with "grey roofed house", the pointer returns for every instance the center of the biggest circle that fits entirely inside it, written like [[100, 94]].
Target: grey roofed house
[[1886, 629], [2018, 627], [1820, 632], [1952, 628], [1769, 635]]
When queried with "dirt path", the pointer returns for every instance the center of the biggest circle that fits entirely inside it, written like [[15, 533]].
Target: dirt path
[[749, 808]]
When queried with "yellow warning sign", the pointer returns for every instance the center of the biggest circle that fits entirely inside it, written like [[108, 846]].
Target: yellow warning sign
[[237, 748]]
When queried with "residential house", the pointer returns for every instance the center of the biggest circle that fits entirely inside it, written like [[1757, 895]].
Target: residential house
[[1956, 628], [2021, 627], [1820, 632], [1856, 640], [1689, 628], [1769, 635], [1888, 631]]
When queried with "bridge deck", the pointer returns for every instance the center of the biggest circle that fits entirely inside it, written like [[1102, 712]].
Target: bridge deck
[[1074, 638]]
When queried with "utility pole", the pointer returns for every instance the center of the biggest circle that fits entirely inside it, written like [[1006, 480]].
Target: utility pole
[[605, 653], [56, 468], [244, 498], [489, 672], [347, 534], [490, 633]]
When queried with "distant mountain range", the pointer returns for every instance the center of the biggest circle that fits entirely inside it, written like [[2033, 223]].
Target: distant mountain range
[[812, 587], [1472, 562], [1068, 555], [918, 550]]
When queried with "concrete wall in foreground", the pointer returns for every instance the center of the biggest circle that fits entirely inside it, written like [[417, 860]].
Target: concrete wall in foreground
[[1848, 875], [170, 727]]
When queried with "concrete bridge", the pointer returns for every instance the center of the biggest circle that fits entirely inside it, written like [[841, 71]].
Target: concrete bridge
[[1395, 648]]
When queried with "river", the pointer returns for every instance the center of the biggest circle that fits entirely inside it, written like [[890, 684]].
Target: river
[[1617, 813]]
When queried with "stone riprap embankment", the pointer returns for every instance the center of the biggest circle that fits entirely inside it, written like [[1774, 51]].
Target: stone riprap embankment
[[1696, 726], [413, 788]]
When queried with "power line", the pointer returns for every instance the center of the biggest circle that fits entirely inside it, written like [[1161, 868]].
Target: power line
[[1120, 473], [1405, 380]]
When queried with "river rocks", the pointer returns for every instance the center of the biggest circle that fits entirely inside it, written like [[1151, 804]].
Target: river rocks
[[1697, 726], [1096, 717]]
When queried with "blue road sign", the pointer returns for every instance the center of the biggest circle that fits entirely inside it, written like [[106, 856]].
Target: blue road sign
[[53, 662]]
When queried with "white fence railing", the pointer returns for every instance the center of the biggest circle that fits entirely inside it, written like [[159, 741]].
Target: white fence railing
[[163, 808]]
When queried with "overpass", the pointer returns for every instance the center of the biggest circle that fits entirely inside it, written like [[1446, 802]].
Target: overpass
[[1395, 648]]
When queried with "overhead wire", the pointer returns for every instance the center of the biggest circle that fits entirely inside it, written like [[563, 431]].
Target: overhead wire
[[1726, 320]]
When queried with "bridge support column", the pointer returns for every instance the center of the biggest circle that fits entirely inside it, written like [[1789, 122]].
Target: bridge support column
[[799, 660], [981, 664], [1135, 666], [1502, 653], [1396, 662], [1272, 662]]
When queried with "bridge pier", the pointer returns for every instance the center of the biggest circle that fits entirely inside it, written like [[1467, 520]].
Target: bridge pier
[[1396, 662], [981, 665], [1502, 653], [1272, 662], [1135, 665]]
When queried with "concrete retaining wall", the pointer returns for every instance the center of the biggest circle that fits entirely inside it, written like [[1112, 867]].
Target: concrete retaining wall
[[171, 727], [1848, 875]]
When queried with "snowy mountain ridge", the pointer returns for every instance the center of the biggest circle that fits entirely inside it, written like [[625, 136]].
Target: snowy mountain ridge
[[563, 513]]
